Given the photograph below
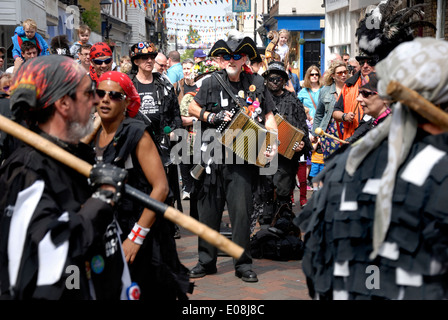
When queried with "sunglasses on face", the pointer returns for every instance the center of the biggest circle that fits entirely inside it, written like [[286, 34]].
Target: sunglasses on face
[[113, 95], [235, 56], [370, 62], [314, 74], [147, 56], [340, 73], [367, 94], [276, 79], [161, 65], [100, 62]]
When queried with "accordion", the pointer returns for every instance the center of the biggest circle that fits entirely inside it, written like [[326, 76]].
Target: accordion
[[247, 138], [289, 137]]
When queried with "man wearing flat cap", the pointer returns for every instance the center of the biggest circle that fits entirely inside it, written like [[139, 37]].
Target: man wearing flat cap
[[226, 183]]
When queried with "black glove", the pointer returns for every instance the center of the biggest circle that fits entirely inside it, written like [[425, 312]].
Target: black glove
[[216, 119], [108, 174]]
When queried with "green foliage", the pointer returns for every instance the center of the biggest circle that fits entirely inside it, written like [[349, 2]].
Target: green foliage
[[188, 54], [92, 18]]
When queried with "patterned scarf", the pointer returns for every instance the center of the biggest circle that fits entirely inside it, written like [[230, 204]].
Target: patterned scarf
[[41, 81]]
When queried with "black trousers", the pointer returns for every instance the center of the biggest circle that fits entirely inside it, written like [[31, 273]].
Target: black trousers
[[284, 179], [235, 189]]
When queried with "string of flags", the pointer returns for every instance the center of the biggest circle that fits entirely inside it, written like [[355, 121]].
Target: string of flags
[[146, 3], [179, 22]]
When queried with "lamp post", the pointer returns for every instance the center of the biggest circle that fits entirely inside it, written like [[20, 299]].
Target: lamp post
[[151, 33], [105, 9]]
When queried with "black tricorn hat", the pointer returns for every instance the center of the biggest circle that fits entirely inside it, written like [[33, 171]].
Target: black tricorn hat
[[245, 45], [276, 67]]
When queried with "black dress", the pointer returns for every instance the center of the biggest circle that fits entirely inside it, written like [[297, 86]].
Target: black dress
[[156, 268], [65, 214], [339, 224]]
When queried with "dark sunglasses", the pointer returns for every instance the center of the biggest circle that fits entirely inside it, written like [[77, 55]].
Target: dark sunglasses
[[340, 73], [367, 94], [147, 56], [100, 62], [370, 62], [275, 79], [113, 95], [235, 56], [162, 65], [314, 74]]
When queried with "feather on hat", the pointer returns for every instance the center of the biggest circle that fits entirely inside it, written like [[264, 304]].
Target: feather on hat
[[384, 27]]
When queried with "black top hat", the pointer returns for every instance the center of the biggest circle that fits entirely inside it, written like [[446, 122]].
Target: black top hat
[[372, 59], [142, 48], [245, 45], [276, 67]]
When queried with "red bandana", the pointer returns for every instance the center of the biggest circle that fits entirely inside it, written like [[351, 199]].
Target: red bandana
[[126, 84], [98, 50]]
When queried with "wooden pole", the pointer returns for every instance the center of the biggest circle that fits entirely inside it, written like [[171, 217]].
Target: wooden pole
[[211, 236], [416, 102]]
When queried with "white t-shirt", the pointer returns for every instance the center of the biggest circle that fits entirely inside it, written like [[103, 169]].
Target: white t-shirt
[[282, 50]]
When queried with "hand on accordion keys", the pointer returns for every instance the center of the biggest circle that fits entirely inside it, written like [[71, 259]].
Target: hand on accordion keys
[[299, 147], [217, 119], [271, 151]]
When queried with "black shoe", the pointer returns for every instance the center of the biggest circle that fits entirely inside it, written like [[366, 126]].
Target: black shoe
[[199, 271], [247, 276]]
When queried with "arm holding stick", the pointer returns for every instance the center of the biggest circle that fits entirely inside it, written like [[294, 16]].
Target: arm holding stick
[[84, 168], [321, 132]]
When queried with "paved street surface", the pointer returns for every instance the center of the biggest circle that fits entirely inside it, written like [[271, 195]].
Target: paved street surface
[[278, 280]]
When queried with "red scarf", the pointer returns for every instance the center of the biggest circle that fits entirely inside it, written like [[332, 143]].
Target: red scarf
[[129, 89]]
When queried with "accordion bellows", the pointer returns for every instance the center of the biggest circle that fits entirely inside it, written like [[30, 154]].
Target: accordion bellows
[[289, 137], [248, 139]]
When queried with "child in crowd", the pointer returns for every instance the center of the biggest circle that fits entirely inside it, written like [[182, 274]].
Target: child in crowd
[[282, 46], [317, 162], [125, 64], [84, 32], [28, 32]]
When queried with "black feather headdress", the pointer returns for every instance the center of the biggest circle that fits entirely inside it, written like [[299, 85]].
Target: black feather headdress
[[385, 27]]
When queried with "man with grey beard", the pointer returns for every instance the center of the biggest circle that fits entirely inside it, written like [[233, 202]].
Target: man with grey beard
[[54, 222]]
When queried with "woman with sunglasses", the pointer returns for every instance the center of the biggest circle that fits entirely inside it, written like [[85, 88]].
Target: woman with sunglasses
[[334, 80], [375, 108], [309, 94], [148, 244]]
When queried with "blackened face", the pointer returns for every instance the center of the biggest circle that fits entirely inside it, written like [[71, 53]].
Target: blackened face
[[275, 82]]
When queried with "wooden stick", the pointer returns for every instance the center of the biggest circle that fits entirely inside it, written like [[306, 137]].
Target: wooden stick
[[84, 168], [416, 102], [321, 132]]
